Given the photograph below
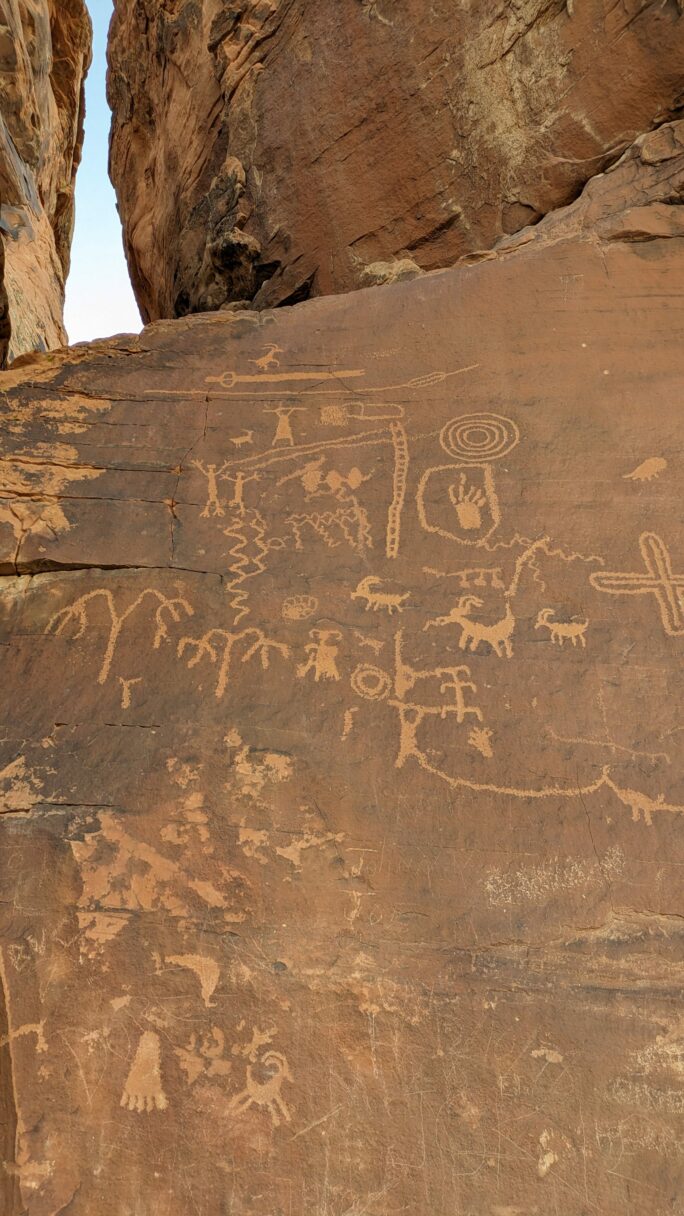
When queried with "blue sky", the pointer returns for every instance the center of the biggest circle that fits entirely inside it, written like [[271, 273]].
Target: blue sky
[[99, 299]]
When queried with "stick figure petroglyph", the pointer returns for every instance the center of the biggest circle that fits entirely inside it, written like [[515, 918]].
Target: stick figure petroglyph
[[267, 1093], [322, 655], [659, 580], [239, 481], [283, 432], [212, 473]]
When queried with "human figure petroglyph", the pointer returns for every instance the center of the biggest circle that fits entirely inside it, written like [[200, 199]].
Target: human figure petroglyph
[[208, 647], [375, 599], [269, 359], [78, 613], [498, 636], [212, 472], [322, 653], [563, 631], [283, 431], [239, 480], [266, 1093], [659, 580], [143, 1091]]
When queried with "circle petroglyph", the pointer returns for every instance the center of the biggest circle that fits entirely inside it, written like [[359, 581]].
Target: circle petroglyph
[[371, 683], [474, 438], [299, 607]]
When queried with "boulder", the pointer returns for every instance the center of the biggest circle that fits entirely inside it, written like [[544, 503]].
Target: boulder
[[269, 151], [45, 48], [341, 784]]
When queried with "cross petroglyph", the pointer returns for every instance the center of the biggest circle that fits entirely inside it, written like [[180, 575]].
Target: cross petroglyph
[[659, 580]]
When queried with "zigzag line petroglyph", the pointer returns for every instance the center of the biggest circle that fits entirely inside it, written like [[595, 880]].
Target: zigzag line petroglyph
[[401, 463], [242, 560]]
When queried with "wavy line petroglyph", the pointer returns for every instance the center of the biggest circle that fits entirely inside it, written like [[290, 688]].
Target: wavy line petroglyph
[[77, 613], [659, 580]]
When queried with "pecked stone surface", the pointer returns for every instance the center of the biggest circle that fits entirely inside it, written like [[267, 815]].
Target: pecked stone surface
[[268, 150], [341, 831], [44, 56]]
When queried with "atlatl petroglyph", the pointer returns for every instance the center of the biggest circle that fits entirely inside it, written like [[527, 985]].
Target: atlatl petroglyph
[[668, 588], [77, 613], [216, 640]]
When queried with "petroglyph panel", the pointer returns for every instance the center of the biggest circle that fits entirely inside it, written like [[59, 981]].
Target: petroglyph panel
[[341, 809]]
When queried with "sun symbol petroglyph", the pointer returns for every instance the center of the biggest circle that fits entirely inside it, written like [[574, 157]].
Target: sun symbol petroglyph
[[299, 608], [214, 640], [648, 470], [143, 1090], [371, 683], [77, 614], [375, 599], [263, 1087], [563, 631], [475, 438], [668, 588], [322, 653]]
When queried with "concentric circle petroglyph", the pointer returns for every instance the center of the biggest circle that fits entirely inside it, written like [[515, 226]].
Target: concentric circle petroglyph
[[479, 437], [371, 683]]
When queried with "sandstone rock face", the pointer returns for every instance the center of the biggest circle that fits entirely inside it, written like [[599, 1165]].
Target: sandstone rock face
[[266, 151], [342, 790], [44, 56]]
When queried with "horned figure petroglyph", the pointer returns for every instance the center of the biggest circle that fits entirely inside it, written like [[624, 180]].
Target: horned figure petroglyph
[[498, 635], [322, 654], [562, 631], [265, 1093], [378, 599], [269, 359]]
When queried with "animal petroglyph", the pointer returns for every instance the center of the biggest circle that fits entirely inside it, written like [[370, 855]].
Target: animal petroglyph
[[269, 358], [78, 614], [563, 631], [375, 599], [214, 640], [143, 1090], [659, 580], [473, 633], [243, 440], [474, 438], [399, 480], [322, 653], [283, 431], [265, 1088], [472, 498], [648, 470]]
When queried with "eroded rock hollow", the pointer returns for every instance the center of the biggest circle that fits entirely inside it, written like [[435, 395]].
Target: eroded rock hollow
[[270, 150], [45, 48], [342, 786]]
